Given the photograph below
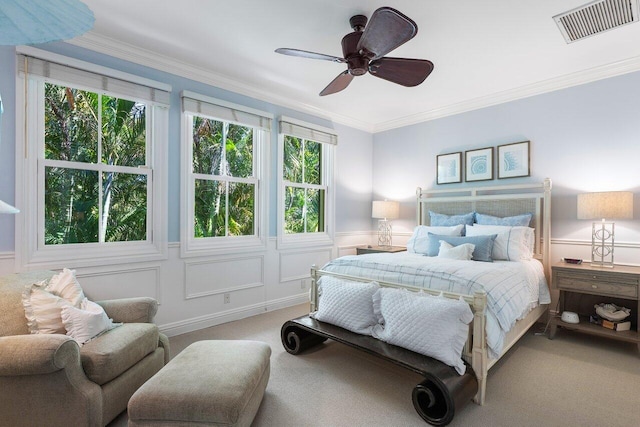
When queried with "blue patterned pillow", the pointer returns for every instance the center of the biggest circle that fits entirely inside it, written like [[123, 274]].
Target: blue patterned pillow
[[481, 252], [442, 220], [512, 221]]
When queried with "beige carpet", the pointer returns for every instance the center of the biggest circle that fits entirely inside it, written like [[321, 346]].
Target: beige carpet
[[574, 380]]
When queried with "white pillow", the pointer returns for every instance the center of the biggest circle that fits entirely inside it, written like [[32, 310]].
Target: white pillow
[[460, 252], [511, 244], [42, 310], [419, 241], [86, 322], [346, 304], [65, 285], [434, 326]]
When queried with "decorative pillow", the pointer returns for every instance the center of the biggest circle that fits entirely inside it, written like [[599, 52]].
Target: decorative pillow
[[65, 285], [511, 244], [434, 326], [512, 221], [461, 252], [86, 322], [481, 252], [347, 304], [439, 220], [419, 241], [42, 310]]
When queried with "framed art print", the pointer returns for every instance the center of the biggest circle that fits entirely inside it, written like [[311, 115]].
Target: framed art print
[[449, 168], [513, 160], [479, 164]]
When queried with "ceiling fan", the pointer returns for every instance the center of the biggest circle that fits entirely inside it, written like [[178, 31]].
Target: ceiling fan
[[365, 47]]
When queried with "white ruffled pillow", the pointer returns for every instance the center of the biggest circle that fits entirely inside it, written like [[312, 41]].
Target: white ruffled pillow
[[346, 304], [86, 322], [419, 241], [511, 244], [65, 285], [434, 326], [42, 310], [461, 252]]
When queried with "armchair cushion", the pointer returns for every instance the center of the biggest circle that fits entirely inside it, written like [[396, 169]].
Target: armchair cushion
[[109, 355]]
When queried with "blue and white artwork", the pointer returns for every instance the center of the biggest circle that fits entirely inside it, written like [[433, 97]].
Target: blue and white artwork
[[479, 164], [513, 160], [448, 166]]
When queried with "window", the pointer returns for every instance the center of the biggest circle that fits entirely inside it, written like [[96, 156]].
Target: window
[[306, 180], [224, 155], [94, 168]]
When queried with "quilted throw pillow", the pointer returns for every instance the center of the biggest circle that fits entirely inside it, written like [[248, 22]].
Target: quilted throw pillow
[[346, 304], [435, 326]]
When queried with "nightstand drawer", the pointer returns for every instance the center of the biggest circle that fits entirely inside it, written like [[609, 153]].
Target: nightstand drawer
[[622, 286]]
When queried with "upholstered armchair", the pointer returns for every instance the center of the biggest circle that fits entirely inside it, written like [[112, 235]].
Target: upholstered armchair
[[49, 379]]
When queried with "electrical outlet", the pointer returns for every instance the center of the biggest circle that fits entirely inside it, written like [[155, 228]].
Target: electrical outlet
[[227, 298]]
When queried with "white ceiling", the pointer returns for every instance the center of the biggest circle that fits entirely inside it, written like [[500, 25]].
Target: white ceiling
[[485, 52]]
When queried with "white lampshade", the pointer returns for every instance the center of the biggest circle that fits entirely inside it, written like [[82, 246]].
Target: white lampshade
[[42, 21], [386, 209], [6, 208], [606, 205]]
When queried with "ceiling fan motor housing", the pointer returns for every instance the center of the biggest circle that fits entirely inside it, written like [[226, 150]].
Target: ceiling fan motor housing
[[358, 64]]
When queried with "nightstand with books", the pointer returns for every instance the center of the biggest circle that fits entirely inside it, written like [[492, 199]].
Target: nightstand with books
[[581, 287]]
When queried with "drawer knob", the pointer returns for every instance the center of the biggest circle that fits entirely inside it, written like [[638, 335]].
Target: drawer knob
[[595, 277], [594, 286]]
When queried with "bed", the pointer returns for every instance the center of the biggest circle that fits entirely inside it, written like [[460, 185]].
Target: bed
[[492, 332]]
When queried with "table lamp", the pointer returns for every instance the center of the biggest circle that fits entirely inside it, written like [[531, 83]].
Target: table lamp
[[609, 205], [385, 210]]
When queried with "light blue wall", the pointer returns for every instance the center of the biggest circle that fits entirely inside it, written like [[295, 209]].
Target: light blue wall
[[585, 138], [353, 196]]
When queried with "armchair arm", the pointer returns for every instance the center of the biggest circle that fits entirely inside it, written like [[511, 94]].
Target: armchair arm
[[37, 354], [130, 310]]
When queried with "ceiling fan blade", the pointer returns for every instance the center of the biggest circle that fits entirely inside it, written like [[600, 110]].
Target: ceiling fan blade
[[310, 55], [406, 72], [387, 29], [337, 84]]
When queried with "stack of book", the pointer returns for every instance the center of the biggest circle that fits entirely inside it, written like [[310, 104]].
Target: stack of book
[[624, 325]]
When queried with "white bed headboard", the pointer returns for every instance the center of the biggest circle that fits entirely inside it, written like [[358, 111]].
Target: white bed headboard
[[503, 200]]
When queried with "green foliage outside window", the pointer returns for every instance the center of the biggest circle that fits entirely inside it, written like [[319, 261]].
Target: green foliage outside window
[[87, 129], [304, 206], [224, 202]]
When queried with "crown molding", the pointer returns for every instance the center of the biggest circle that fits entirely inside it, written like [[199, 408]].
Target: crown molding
[[154, 60], [568, 80], [134, 54]]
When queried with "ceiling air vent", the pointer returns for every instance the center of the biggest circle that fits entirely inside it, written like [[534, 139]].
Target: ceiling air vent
[[596, 17]]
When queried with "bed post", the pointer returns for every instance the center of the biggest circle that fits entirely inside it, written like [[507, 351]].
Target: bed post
[[546, 235], [313, 292], [479, 357], [418, 206]]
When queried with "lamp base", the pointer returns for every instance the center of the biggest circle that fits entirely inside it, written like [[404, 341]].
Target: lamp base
[[384, 233], [602, 238]]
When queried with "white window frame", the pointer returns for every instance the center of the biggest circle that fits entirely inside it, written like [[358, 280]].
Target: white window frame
[[328, 141], [31, 252], [227, 112]]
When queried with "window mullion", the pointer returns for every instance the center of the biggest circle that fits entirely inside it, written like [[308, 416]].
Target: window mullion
[[101, 228]]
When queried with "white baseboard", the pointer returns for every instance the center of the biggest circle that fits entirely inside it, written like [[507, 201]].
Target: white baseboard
[[201, 322]]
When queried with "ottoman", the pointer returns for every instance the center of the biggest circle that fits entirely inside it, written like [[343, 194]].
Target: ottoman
[[210, 383]]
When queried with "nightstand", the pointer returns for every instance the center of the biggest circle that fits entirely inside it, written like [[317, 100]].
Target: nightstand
[[360, 250], [582, 286]]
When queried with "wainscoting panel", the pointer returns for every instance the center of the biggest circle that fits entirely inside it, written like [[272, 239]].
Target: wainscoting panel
[[211, 277], [121, 283], [297, 265]]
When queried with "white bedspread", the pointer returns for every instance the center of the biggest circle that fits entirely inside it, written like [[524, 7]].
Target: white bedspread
[[513, 288]]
